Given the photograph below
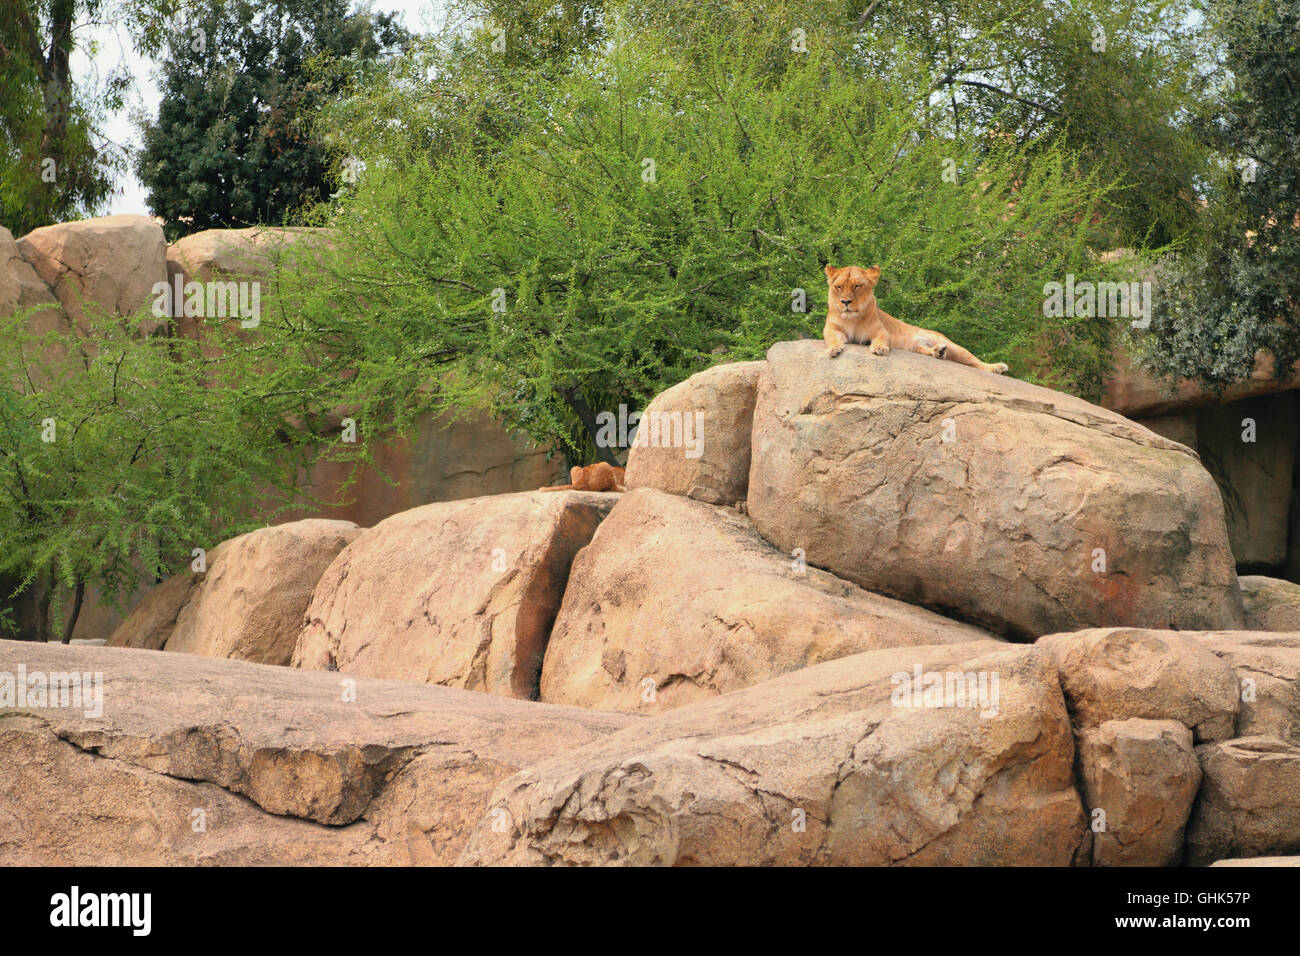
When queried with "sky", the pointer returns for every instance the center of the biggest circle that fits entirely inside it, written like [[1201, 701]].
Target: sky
[[114, 48]]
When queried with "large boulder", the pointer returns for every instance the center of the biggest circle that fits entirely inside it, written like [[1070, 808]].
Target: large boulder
[[1143, 776], [693, 439], [1118, 673], [1267, 668], [20, 287], [1249, 803], [675, 601], [254, 594], [458, 593], [1271, 604], [199, 761], [839, 763], [1020, 508], [150, 624], [111, 261], [251, 253], [21, 290]]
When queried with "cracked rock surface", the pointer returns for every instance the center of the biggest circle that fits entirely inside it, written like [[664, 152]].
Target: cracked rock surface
[[459, 593], [961, 490], [692, 598], [719, 403], [110, 261], [279, 767], [815, 767]]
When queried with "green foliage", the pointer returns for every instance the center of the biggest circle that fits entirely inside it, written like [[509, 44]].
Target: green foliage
[[54, 165], [617, 284], [121, 453], [241, 84], [1236, 291], [1112, 82]]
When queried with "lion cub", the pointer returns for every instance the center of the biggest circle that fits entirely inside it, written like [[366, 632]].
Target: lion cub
[[601, 476], [853, 316]]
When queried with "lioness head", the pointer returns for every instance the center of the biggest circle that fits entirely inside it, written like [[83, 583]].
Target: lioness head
[[849, 289]]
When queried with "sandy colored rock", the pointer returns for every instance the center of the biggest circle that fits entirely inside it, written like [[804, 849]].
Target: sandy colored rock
[[20, 287], [111, 261], [1249, 803], [1118, 673], [690, 597], [458, 593], [283, 768], [149, 626], [815, 767], [713, 413], [442, 459], [252, 600], [1271, 604], [1267, 668], [239, 253], [1180, 427], [985, 496], [1135, 392], [252, 255], [1144, 775]]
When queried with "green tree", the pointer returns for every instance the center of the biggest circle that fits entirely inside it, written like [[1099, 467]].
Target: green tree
[[53, 163], [120, 454], [232, 144], [562, 241], [1236, 291], [1112, 82]]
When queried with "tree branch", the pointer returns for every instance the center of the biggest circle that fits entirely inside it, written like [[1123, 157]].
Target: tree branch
[[866, 13], [1019, 99], [30, 37]]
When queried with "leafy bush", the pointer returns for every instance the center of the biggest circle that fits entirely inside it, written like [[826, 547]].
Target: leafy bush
[[634, 219]]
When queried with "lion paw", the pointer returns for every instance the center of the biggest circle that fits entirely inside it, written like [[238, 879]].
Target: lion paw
[[999, 368], [834, 351], [941, 352], [880, 350]]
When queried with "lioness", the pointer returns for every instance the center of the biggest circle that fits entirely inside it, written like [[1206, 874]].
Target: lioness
[[600, 476], [853, 316]]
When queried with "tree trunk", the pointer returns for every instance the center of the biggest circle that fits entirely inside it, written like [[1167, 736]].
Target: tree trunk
[[43, 611], [584, 412], [77, 595], [56, 82]]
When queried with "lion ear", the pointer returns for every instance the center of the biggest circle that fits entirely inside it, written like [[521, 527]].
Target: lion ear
[[830, 271], [873, 273]]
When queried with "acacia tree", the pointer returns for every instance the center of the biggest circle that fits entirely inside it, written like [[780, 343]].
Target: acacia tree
[[120, 454], [558, 242]]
